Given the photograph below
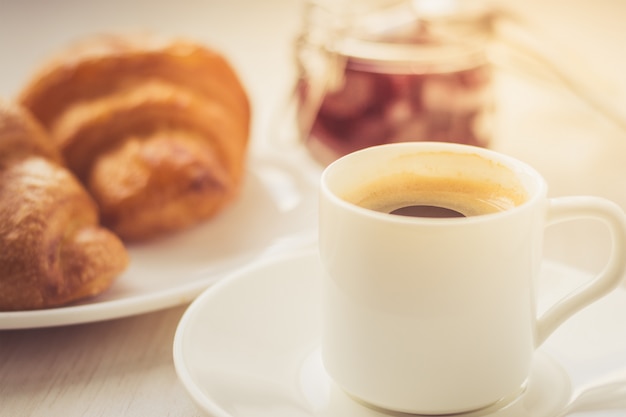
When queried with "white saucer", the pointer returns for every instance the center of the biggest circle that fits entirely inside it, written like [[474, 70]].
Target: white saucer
[[249, 347]]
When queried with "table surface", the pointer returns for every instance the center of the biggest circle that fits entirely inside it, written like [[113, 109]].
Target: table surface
[[124, 367]]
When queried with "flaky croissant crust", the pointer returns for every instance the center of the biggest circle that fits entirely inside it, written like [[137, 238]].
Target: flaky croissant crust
[[156, 129], [94, 66], [52, 249]]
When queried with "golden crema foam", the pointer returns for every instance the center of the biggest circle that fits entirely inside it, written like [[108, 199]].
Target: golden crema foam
[[426, 196]]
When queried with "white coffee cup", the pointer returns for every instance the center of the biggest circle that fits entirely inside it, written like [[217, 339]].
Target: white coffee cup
[[438, 315]]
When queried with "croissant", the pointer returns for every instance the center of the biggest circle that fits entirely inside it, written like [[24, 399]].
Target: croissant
[[156, 129], [53, 250]]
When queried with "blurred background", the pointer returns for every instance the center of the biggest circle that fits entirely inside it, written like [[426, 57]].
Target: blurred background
[[579, 147]]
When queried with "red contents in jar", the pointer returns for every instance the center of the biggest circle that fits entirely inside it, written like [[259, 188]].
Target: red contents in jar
[[373, 107]]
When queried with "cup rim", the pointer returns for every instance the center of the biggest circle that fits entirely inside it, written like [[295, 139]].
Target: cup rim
[[510, 162]]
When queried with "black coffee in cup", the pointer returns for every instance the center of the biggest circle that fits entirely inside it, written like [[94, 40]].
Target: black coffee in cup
[[420, 210]]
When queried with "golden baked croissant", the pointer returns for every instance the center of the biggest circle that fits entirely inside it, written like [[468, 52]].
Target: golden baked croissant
[[156, 129], [52, 249]]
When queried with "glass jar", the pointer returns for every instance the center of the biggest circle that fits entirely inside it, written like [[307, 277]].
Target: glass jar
[[393, 72]]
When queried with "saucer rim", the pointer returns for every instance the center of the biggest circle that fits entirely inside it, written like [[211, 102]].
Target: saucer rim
[[184, 375]]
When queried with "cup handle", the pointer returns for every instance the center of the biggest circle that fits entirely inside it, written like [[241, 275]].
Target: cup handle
[[571, 208]]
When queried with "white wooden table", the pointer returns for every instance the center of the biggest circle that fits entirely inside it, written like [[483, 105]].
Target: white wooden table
[[124, 367], [113, 368]]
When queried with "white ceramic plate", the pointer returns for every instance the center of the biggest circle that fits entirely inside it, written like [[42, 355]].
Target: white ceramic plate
[[276, 210], [248, 346]]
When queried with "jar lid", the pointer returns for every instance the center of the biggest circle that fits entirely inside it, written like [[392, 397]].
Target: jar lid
[[447, 57], [422, 34]]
